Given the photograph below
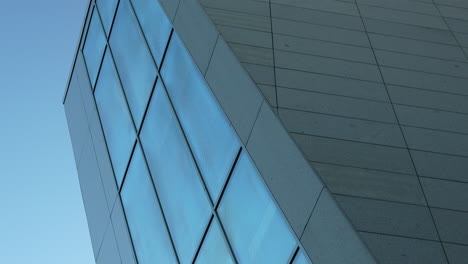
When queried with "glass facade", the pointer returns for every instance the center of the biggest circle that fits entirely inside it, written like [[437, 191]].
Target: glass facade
[[189, 190]]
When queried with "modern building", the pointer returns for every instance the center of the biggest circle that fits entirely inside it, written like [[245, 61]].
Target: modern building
[[273, 131]]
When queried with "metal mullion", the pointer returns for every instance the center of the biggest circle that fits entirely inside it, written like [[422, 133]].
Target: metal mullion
[[215, 205], [186, 141], [200, 244], [93, 85], [158, 201], [226, 238], [128, 230], [294, 254], [78, 49], [228, 178], [144, 36], [188, 145]]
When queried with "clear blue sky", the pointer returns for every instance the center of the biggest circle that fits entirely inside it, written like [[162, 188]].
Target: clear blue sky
[[42, 219]]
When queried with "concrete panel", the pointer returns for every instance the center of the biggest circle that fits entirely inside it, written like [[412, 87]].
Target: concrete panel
[[330, 238], [371, 183], [452, 225], [457, 254], [76, 118], [453, 12], [109, 253], [401, 250], [94, 199], [170, 7], [355, 154], [402, 17], [260, 74], [331, 84], [441, 166], [269, 92], [243, 6], [290, 178], [457, 25], [457, 3], [432, 119], [409, 31], [326, 33], [403, 5], [122, 235], [233, 87], [335, 105], [197, 31], [425, 64], [316, 17], [308, 63], [240, 20], [246, 36], [388, 217], [323, 48], [254, 55], [428, 99], [417, 47], [446, 194], [423, 80], [436, 141], [462, 39], [342, 128], [323, 5]]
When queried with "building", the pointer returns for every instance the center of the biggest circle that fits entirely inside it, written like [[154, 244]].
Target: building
[[280, 131]]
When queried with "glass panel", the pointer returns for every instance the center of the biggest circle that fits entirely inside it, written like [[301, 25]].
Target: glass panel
[[180, 190], [94, 47], [146, 223], [254, 225], [155, 24], [301, 258], [133, 60], [115, 117], [210, 136], [107, 11], [214, 248]]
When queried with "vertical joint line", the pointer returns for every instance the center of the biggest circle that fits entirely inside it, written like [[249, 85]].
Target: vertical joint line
[[401, 129]]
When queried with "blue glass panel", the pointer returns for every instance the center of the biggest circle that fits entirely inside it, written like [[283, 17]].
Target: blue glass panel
[[214, 248], [133, 60], [182, 196], [155, 24], [146, 223], [254, 225], [94, 47], [115, 117], [210, 136], [301, 258], [107, 11]]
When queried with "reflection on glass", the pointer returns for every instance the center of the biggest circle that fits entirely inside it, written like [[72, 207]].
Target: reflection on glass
[[147, 227], [133, 60], [185, 205], [107, 11], [214, 248], [155, 25], [301, 258], [254, 225], [211, 138], [115, 117], [94, 47]]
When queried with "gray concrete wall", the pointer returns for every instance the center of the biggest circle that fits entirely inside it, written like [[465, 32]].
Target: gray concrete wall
[[375, 95]]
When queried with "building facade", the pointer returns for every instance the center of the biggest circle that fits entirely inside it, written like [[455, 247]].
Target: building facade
[[280, 131]]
